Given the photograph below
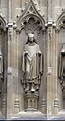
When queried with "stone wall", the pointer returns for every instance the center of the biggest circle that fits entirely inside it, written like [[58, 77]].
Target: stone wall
[[50, 37]]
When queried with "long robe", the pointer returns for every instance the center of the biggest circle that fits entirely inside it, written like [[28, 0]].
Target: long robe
[[32, 63]]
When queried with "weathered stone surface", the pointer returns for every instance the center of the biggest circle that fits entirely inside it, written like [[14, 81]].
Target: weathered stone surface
[[46, 19]]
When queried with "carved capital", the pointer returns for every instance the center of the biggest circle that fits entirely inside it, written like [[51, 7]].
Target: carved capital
[[49, 23], [10, 24]]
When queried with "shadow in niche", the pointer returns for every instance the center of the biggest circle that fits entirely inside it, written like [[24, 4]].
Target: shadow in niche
[[33, 27]]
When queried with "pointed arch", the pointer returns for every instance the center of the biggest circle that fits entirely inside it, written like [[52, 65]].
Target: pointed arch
[[61, 20], [2, 22], [29, 12]]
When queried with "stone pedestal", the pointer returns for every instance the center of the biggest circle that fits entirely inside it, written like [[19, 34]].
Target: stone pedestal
[[29, 115], [31, 101]]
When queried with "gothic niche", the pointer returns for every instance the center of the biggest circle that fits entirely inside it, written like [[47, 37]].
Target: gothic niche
[[32, 72], [31, 66]]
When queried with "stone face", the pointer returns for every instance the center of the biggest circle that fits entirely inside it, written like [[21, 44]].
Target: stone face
[[46, 19]]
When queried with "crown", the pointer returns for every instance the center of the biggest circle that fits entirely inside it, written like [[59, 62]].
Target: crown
[[31, 35]]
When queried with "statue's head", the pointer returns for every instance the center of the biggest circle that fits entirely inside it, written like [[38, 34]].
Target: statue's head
[[31, 37]]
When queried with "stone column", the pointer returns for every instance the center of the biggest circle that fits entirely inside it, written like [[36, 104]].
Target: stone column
[[10, 10], [9, 72], [50, 10], [16, 103], [14, 9], [56, 101], [44, 83], [10, 63], [49, 70]]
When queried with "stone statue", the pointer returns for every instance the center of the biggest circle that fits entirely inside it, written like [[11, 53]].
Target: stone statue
[[62, 63], [31, 64]]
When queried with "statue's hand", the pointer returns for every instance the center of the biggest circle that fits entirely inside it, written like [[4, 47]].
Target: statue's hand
[[26, 52], [39, 52]]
